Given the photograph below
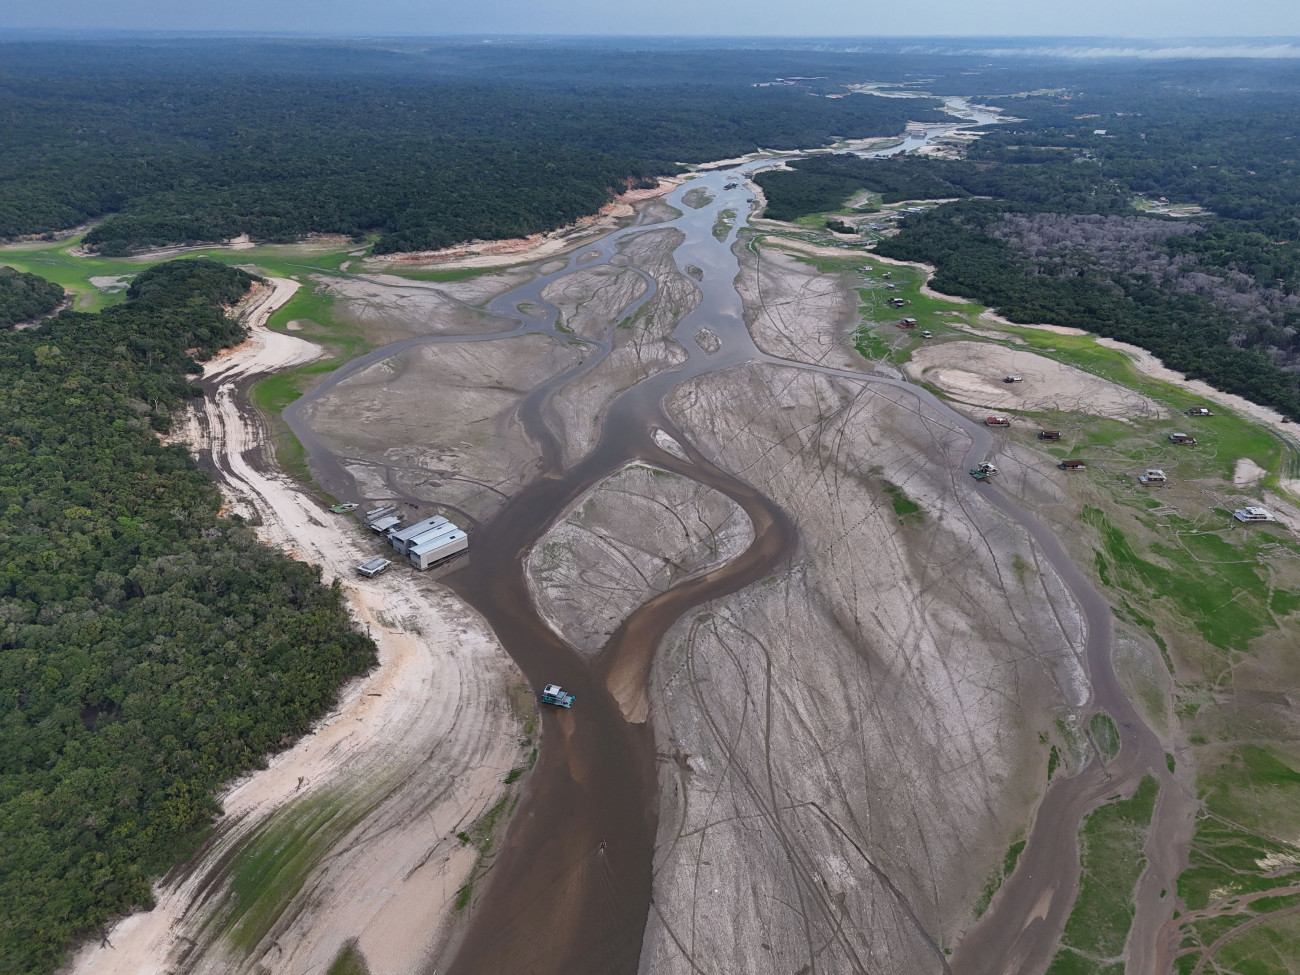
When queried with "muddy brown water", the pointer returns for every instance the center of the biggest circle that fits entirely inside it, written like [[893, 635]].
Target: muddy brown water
[[569, 888]]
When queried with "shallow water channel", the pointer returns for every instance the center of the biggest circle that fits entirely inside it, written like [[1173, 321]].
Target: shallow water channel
[[570, 888]]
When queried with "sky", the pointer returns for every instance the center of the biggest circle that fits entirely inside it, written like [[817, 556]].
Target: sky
[[804, 18]]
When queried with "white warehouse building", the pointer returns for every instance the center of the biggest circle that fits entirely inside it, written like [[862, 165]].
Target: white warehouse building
[[437, 547], [401, 539]]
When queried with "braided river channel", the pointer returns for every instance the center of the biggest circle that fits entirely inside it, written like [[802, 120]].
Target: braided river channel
[[571, 886]]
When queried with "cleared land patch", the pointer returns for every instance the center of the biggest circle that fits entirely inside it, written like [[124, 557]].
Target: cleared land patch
[[973, 373]]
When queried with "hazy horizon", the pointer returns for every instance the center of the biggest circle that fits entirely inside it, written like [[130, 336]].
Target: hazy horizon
[[1178, 20], [1081, 47]]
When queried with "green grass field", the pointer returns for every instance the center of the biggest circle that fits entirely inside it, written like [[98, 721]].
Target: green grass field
[[55, 261], [271, 866], [313, 310], [1111, 842], [1220, 581]]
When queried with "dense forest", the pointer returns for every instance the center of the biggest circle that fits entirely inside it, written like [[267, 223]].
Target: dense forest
[[180, 151], [149, 649], [1060, 216], [24, 297]]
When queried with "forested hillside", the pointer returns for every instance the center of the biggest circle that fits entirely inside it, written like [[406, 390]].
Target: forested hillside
[[1075, 229], [422, 153], [149, 649], [25, 296]]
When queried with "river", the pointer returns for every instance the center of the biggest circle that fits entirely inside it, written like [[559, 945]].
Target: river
[[570, 887]]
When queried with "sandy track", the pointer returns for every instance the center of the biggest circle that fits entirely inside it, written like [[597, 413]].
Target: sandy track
[[412, 751]]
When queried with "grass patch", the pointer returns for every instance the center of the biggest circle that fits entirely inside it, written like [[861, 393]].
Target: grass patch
[[1009, 861], [482, 832], [271, 867], [1072, 963], [1266, 949], [697, 198], [1221, 587], [463, 896], [1021, 567], [1104, 735], [1111, 842], [1255, 789], [870, 345], [349, 961], [906, 509], [726, 219], [482, 835]]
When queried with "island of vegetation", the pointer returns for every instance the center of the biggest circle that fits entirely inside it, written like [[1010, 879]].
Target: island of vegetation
[[24, 297]]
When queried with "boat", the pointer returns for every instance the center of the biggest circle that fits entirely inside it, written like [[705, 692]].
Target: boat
[[557, 695]]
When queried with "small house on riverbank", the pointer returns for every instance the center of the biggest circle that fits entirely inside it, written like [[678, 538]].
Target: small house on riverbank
[[1253, 513]]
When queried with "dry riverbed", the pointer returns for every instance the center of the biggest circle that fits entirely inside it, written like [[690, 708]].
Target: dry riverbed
[[438, 423], [853, 741]]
